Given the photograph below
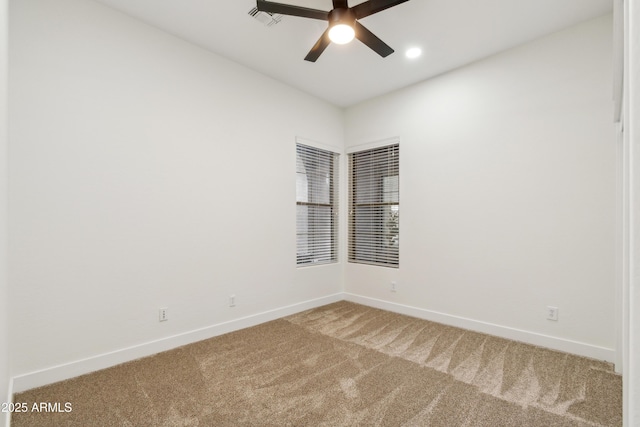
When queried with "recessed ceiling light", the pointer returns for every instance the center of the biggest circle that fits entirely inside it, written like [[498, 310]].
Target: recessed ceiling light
[[413, 52]]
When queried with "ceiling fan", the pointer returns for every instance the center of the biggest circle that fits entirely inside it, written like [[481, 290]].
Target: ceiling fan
[[343, 23]]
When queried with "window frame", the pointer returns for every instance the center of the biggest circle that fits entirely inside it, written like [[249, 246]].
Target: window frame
[[368, 247], [328, 254]]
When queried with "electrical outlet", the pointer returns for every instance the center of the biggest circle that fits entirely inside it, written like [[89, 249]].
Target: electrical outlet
[[163, 314], [232, 300], [552, 313], [394, 286]]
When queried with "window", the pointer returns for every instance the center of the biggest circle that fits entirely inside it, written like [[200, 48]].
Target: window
[[374, 206], [316, 205]]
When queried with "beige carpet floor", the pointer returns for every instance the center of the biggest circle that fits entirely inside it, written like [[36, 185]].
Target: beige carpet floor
[[343, 364]]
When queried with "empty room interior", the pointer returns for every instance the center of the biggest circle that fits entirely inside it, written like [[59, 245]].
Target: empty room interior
[[187, 199]]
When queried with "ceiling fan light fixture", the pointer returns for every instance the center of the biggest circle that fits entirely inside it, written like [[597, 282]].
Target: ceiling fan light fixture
[[341, 33], [343, 20]]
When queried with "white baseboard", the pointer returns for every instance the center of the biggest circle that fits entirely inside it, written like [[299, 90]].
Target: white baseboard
[[53, 374], [560, 344], [80, 367]]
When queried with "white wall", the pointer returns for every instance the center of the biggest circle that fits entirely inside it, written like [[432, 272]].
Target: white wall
[[4, 289], [631, 141], [507, 193], [145, 172]]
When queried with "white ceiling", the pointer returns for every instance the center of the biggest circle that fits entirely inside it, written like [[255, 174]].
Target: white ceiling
[[451, 33]]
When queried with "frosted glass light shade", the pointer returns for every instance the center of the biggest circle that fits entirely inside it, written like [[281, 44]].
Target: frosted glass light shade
[[341, 34]]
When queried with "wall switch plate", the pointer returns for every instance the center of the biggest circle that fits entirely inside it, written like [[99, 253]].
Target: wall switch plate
[[163, 314], [552, 313], [394, 286], [232, 300]]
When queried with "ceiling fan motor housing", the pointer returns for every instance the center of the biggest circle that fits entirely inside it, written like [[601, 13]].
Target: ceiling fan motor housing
[[342, 16]]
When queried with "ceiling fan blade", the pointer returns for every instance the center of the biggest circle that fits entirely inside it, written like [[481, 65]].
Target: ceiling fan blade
[[340, 4], [319, 47], [374, 6], [371, 40], [288, 9]]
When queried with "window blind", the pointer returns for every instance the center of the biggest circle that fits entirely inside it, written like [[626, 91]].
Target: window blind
[[374, 206], [316, 205]]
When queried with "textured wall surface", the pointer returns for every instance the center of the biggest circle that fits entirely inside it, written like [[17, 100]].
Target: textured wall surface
[[146, 173], [507, 189]]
